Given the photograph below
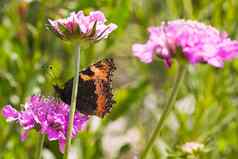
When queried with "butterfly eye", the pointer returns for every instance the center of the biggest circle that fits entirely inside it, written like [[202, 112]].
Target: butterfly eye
[[51, 74], [50, 67]]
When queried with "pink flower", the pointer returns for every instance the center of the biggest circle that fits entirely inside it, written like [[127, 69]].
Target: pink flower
[[77, 25], [199, 43], [47, 115]]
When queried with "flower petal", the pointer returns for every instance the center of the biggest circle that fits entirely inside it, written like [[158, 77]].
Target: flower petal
[[61, 145], [141, 51], [10, 113]]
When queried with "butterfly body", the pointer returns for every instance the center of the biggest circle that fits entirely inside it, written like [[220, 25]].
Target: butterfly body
[[94, 89]]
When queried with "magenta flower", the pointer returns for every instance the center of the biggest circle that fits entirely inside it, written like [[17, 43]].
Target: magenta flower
[[48, 116], [77, 25], [199, 43]]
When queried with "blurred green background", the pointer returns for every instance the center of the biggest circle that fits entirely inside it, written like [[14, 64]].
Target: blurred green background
[[206, 108]]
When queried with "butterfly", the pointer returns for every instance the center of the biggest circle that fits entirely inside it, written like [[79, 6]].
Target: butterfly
[[94, 95]]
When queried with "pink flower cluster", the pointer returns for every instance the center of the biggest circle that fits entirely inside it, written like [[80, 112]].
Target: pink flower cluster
[[48, 116], [77, 25], [199, 43]]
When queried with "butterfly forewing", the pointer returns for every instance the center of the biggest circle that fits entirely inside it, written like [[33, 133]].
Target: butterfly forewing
[[95, 89]]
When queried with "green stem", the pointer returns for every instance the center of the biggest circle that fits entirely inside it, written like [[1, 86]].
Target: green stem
[[40, 147], [73, 103], [167, 109]]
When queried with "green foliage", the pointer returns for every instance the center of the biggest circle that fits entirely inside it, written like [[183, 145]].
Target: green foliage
[[26, 46]]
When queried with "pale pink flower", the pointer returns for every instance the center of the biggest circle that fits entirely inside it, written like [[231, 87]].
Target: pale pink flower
[[191, 147], [79, 26]]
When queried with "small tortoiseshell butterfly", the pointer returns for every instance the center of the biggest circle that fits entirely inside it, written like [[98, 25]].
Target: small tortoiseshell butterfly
[[94, 90]]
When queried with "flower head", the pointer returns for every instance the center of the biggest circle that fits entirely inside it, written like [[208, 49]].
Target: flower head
[[191, 147], [199, 43], [48, 116], [78, 25]]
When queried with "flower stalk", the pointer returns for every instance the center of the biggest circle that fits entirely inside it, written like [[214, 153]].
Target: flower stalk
[[40, 147], [73, 103], [180, 76]]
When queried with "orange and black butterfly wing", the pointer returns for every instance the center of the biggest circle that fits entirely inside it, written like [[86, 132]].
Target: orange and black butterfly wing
[[86, 97], [95, 89], [103, 81]]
